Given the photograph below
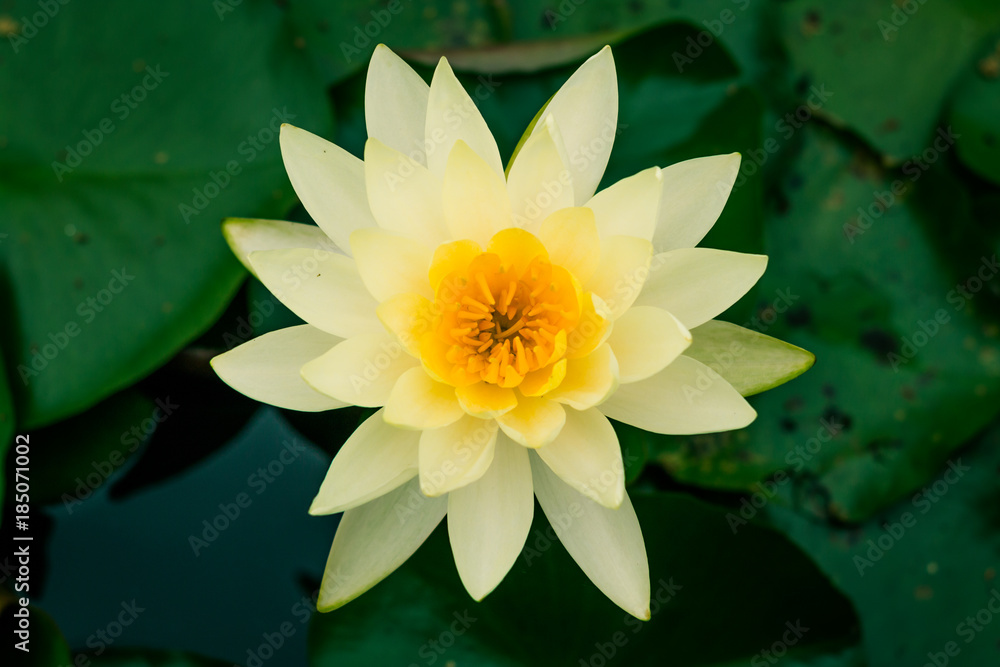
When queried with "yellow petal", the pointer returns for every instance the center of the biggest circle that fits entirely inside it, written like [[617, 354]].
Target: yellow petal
[[475, 197], [607, 544], [544, 380], [404, 196], [696, 284], [685, 398], [534, 422], [352, 480], [570, 236], [586, 111], [622, 272], [418, 402], [361, 370], [630, 206], [586, 455], [267, 368], [452, 116], [329, 181], [408, 316], [645, 340], [589, 380], [694, 194], [489, 520], [451, 257], [486, 400], [390, 264], [539, 182], [374, 539], [246, 235], [396, 104], [593, 328], [516, 249], [323, 288], [456, 455]]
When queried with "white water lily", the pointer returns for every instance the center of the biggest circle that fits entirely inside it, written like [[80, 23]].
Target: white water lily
[[498, 320]]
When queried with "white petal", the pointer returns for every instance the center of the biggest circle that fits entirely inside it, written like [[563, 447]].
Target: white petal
[[533, 422], [645, 340], [267, 368], [418, 402], [404, 196], [396, 104], [629, 207], [607, 544], [489, 520], [322, 288], [685, 398], [586, 110], [696, 284], [390, 264], [539, 182], [456, 455], [361, 370], [376, 459], [623, 269], [586, 455], [694, 194], [374, 539], [476, 205], [589, 380], [246, 235], [329, 181], [453, 116]]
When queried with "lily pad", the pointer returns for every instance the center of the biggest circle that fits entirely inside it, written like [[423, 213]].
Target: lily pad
[[114, 175], [975, 113], [923, 574], [901, 317], [920, 48]]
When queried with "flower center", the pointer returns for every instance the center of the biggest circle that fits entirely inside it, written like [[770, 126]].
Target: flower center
[[504, 317]]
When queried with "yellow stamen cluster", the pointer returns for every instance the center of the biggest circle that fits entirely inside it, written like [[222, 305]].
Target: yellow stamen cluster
[[501, 322]]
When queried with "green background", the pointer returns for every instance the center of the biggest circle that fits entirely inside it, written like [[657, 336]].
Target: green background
[[870, 134]]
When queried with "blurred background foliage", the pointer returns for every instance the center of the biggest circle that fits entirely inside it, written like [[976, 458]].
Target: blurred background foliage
[[863, 504]]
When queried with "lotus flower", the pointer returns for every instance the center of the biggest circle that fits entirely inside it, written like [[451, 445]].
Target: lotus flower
[[497, 320]]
